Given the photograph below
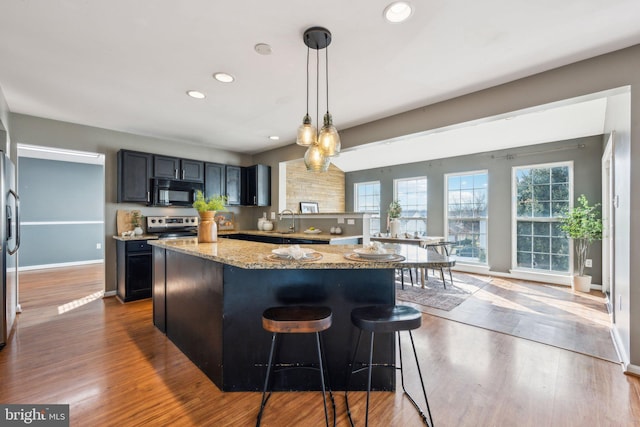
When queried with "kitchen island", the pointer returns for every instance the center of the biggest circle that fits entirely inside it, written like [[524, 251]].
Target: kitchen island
[[209, 298]]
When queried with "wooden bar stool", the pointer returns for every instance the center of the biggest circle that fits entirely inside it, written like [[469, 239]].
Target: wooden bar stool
[[297, 320], [386, 319]]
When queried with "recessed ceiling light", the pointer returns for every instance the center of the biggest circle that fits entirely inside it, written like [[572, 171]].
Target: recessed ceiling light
[[398, 11], [274, 137], [223, 77], [263, 49], [195, 94]]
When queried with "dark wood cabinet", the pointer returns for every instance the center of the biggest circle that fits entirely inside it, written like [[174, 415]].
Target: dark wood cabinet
[[214, 179], [233, 185], [135, 270], [176, 168], [134, 171], [257, 186], [192, 170]]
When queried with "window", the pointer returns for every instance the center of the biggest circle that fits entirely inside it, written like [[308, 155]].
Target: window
[[466, 214], [542, 194], [412, 195], [367, 200]]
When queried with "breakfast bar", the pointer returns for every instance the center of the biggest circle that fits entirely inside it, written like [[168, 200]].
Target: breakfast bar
[[208, 298]]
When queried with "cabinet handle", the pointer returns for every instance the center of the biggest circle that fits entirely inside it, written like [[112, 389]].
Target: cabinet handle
[[175, 173], [255, 202], [148, 197], [182, 173]]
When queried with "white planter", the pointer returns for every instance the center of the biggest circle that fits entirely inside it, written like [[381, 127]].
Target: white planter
[[581, 283], [394, 227]]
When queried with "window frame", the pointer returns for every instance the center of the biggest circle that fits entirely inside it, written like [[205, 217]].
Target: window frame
[[485, 218], [426, 200], [515, 218], [375, 219]]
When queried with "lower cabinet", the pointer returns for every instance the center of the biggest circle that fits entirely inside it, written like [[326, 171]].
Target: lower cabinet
[[135, 270]]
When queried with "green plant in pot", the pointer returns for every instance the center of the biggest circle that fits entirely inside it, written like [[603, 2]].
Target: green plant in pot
[[207, 208], [395, 210], [212, 204], [136, 222], [583, 224]]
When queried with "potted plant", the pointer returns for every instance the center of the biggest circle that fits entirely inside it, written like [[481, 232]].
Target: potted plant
[[207, 208], [394, 213], [136, 222], [584, 225]]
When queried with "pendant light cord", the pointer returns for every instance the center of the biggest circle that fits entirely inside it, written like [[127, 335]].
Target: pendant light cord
[[307, 80], [317, 91], [326, 63]]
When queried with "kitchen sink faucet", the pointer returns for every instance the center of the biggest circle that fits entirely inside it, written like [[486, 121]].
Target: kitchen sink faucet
[[292, 227]]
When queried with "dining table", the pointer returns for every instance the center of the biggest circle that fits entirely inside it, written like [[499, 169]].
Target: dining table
[[435, 258]]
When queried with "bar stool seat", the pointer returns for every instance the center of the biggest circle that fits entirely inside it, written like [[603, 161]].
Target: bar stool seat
[[386, 319], [297, 320]]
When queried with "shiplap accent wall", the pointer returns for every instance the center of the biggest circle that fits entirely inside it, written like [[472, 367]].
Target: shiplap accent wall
[[326, 188]]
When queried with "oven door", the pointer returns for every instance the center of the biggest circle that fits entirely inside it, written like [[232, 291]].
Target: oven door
[[168, 192]]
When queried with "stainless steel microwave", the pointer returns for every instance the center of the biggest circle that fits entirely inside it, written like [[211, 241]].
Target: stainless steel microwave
[[169, 192]]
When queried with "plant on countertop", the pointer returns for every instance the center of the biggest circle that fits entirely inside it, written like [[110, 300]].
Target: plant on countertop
[[583, 224], [214, 203], [395, 209], [136, 219]]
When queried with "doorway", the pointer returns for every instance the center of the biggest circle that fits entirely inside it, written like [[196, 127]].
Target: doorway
[[62, 208]]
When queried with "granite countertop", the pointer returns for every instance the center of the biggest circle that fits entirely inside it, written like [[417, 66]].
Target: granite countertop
[[134, 237], [254, 255], [298, 235]]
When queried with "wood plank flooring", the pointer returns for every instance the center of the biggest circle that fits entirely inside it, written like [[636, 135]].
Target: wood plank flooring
[[107, 360], [549, 314]]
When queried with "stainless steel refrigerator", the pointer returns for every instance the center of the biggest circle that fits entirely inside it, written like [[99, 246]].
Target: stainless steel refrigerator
[[10, 238]]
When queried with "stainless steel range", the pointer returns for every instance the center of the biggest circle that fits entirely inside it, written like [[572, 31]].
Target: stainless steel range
[[172, 227]]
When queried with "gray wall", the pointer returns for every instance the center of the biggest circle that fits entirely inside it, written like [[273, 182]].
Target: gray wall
[[499, 165], [51, 133], [57, 191], [600, 73]]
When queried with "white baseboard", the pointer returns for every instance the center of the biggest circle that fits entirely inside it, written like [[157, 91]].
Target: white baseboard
[[632, 369], [109, 294], [622, 354], [59, 265]]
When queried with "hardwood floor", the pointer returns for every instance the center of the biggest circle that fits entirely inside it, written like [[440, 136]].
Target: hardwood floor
[[107, 360], [548, 314]]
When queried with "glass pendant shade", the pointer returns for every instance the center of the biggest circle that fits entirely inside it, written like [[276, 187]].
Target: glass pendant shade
[[315, 159], [306, 133], [329, 140]]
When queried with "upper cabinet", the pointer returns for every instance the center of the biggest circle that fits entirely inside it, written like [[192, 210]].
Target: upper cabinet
[[233, 185], [256, 186], [243, 186], [176, 168], [214, 177], [134, 170]]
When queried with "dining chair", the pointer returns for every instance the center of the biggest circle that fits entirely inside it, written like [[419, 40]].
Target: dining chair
[[447, 249]]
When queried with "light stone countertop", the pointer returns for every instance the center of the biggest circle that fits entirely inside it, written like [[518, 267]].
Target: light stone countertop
[[298, 235], [134, 237], [254, 255]]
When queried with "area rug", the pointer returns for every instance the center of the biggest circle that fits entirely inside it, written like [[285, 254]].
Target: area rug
[[435, 295]]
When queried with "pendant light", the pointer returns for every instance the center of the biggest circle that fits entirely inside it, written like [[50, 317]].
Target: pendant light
[[307, 135], [327, 143], [328, 140]]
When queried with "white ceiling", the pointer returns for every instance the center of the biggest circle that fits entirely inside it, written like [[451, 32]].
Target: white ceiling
[[126, 65]]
